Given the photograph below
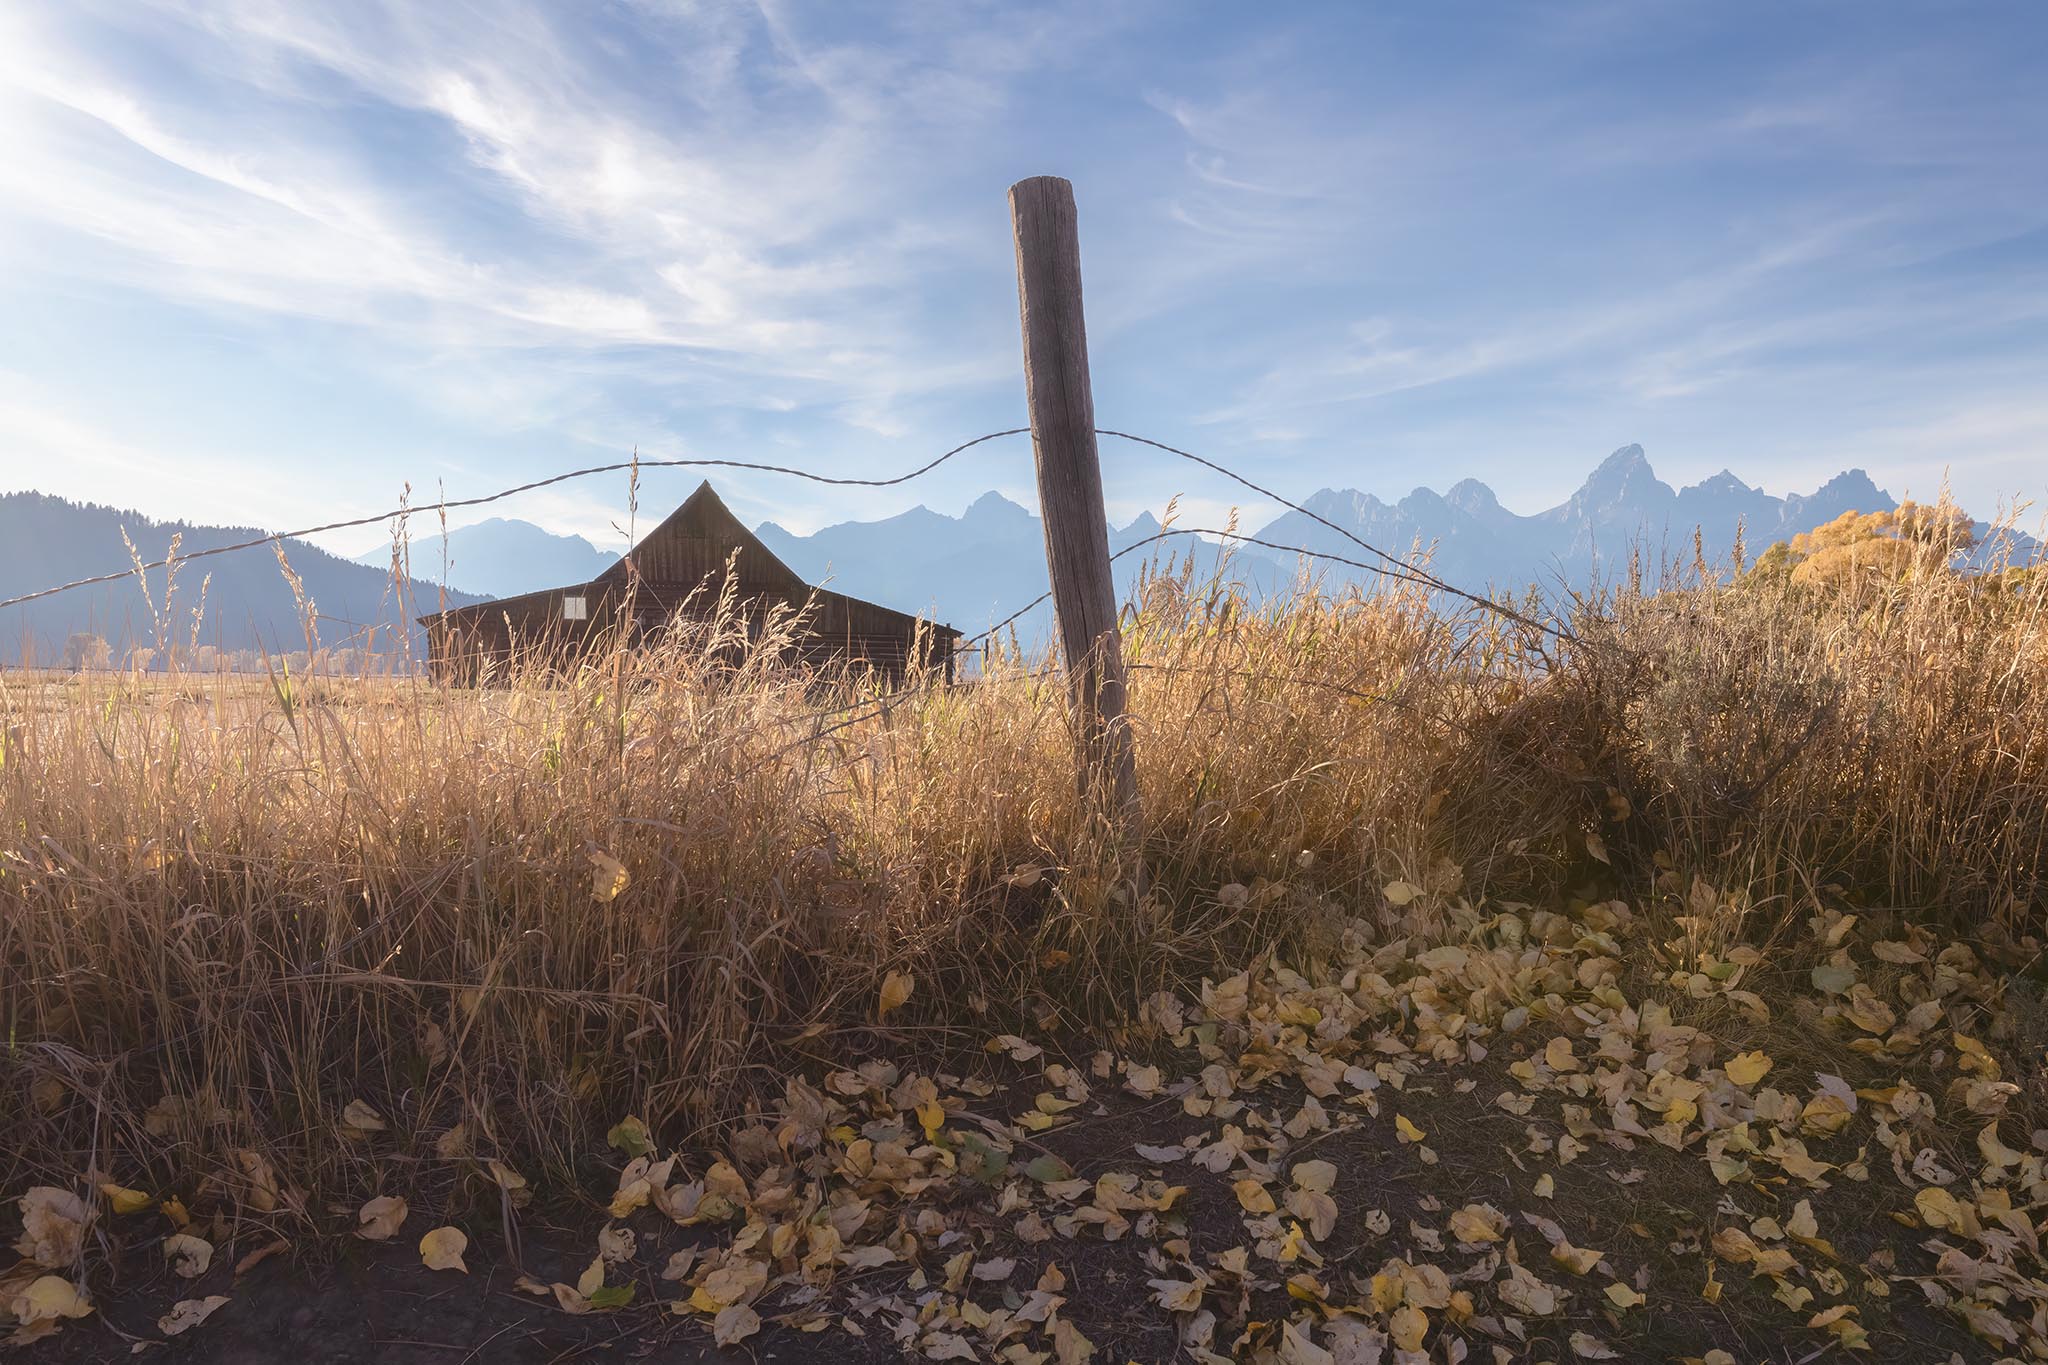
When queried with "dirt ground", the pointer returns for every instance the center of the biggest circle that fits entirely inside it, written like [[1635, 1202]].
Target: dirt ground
[[1830, 1177], [377, 1303]]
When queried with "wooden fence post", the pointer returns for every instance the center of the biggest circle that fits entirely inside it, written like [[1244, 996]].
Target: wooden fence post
[[1070, 489]]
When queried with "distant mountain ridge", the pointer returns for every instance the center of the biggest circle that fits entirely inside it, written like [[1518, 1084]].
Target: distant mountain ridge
[[1621, 507], [249, 604], [973, 569], [968, 571], [500, 558]]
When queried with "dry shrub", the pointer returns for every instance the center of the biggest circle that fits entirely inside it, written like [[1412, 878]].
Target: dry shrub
[[1883, 740]]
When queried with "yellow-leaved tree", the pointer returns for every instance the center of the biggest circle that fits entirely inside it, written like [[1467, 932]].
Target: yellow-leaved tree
[[1910, 541]]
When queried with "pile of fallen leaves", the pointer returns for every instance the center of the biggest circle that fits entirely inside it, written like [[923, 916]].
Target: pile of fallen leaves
[[1540, 1133]]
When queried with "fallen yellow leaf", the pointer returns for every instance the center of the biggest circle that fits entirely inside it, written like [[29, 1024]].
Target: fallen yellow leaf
[[896, 988], [608, 876], [442, 1249], [1478, 1223], [1253, 1197], [124, 1200], [1578, 1260], [734, 1323], [188, 1255], [1407, 1327], [380, 1217], [189, 1313], [1938, 1208], [47, 1298], [360, 1120], [931, 1115]]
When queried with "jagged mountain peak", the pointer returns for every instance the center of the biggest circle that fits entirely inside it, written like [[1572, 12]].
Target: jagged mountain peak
[[992, 509], [1627, 468], [1622, 488], [1473, 498], [501, 556], [1855, 483], [1723, 482], [1336, 503], [1621, 506]]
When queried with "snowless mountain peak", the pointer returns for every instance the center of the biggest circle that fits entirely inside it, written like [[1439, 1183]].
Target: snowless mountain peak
[[1473, 498], [1626, 471], [1341, 503], [501, 557], [1723, 482], [993, 503], [1856, 483]]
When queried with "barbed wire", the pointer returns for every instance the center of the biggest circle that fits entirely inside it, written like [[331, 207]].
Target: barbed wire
[[1299, 680], [860, 710], [1400, 571], [1389, 565], [447, 504], [869, 707]]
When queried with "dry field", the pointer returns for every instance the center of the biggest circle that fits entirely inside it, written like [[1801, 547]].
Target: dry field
[[1663, 986]]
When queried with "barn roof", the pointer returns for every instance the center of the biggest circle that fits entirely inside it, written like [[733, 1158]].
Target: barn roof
[[694, 542], [697, 539]]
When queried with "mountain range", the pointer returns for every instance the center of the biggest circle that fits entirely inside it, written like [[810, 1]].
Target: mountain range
[[500, 558], [969, 570], [1621, 508], [250, 605], [972, 569], [977, 569]]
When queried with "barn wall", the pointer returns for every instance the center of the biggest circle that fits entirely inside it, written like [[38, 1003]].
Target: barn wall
[[839, 629]]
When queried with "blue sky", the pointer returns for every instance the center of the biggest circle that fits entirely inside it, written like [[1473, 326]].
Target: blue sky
[[266, 261]]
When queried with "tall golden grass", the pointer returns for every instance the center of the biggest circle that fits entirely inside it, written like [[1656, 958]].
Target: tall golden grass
[[654, 883]]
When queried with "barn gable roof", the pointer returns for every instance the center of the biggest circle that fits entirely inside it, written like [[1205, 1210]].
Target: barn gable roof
[[693, 543]]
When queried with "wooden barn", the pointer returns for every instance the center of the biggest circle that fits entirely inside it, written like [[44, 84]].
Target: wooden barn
[[681, 567]]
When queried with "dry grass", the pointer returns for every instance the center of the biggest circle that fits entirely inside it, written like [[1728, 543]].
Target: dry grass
[[260, 901], [1883, 743]]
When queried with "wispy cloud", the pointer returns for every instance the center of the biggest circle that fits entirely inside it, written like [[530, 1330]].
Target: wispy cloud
[[1339, 240], [733, 221]]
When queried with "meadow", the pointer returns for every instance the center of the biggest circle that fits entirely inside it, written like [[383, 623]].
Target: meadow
[[274, 949]]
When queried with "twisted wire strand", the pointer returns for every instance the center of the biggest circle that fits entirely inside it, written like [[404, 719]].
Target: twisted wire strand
[[1400, 572], [1418, 575], [1389, 565]]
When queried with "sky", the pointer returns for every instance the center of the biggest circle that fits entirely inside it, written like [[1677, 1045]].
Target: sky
[[275, 263]]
